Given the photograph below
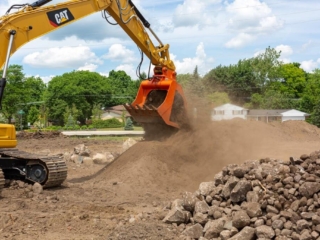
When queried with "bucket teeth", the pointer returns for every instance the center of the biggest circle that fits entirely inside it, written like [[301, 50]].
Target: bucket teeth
[[146, 107]]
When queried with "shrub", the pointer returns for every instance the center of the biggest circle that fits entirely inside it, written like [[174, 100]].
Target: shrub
[[109, 123]]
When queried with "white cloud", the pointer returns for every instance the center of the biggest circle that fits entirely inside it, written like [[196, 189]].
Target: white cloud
[[129, 69], [187, 65], [118, 52], [45, 79], [88, 67], [310, 65], [286, 52], [64, 57], [192, 13], [240, 40], [250, 18]]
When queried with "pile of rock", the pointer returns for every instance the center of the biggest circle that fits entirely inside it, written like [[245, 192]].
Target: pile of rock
[[266, 199], [81, 155], [30, 190]]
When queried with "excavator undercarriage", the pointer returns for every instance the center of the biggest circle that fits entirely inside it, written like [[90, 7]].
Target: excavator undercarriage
[[49, 171]]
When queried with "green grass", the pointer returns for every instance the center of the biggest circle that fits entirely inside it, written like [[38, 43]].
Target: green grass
[[120, 129], [107, 138]]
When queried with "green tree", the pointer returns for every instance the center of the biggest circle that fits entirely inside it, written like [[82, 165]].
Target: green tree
[[33, 115], [82, 89], [315, 117], [293, 80], [15, 94], [272, 99], [73, 113], [218, 98], [184, 79], [97, 111], [247, 77], [311, 94], [123, 89]]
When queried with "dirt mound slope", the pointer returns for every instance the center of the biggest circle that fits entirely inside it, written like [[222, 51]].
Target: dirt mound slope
[[38, 135], [184, 160]]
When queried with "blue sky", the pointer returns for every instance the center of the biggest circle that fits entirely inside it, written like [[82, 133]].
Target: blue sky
[[203, 33]]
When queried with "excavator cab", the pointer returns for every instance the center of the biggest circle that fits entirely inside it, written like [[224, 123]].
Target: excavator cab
[[160, 101]]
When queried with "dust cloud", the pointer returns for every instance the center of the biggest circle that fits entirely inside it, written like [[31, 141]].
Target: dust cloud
[[187, 158]]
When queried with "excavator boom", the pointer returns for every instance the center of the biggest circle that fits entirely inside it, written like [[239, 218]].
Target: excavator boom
[[34, 20]]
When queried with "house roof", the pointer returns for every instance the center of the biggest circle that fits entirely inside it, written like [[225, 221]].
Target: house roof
[[116, 108], [276, 112], [228, 106], [294, 112], [266, 112]]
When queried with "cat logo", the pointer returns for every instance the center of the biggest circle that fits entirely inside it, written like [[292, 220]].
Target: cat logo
[[60, 17]]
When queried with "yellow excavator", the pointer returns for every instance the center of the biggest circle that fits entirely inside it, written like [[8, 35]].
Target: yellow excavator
[[159, 105]]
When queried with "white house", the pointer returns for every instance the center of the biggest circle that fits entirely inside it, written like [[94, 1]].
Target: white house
[[228, 111], [294, 115]]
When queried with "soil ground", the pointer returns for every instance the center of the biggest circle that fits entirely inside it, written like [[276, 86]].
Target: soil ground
[[124, 200]]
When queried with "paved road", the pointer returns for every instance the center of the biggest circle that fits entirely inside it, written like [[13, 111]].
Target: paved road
[[103, 133]]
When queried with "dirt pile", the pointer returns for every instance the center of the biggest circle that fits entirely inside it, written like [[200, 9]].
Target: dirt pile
[[38, 135], [184, 160], [257, 199]]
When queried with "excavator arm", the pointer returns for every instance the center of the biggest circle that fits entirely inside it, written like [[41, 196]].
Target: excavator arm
[[35, 20], [160, 99]]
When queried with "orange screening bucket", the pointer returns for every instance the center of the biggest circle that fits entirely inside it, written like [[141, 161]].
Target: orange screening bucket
[[159, 100]]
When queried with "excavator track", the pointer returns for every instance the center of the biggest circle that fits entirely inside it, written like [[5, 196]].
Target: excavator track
[[50, 171], [2, 180]]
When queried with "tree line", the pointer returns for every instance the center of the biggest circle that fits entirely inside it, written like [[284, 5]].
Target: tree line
[[260, 82], [80, 94]]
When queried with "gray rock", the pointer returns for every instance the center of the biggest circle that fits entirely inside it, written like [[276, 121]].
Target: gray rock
[[240, 191], [202, 207], [206, 188], [177, 215], [37, 188], [189, 201], [305, 236], [195, 231], [213, 228], [271, 209], [230, 184], [247, 233], [315, 219], [240, 171], [81, 150], [302, 224], [200, 218], [254, 209], [240, 219], [225, 235], [252, 196], [265, 232], [307, 189], [277, 224], [100, 158]]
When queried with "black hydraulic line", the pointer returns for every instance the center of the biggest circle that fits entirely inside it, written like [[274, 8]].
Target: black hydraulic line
[[141, 17], [3, 80], [39, 3], [15, 6]]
